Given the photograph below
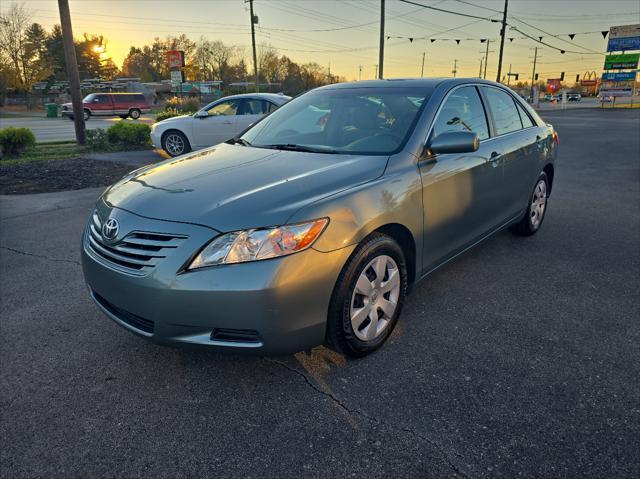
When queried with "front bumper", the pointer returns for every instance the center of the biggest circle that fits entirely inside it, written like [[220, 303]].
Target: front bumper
[[280, 305]]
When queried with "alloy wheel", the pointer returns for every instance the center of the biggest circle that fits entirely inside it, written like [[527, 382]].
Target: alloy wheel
[[174, 144], [375, 298], [538, 204]]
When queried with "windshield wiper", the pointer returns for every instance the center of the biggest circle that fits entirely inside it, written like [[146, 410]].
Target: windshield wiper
[[304, 148], [238, 141]]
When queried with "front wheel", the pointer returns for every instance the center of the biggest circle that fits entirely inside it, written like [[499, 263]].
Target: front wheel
[[536, 209], [175, 143], [368, 297], [87, 115], [134, 113]]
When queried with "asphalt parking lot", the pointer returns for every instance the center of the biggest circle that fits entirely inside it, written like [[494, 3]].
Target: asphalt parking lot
[[520, 359]]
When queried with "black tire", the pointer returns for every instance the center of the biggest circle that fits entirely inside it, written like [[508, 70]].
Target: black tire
[[134, 113], [528, 226], [87, 115], [340, 333], [124, 117], [168, 139]]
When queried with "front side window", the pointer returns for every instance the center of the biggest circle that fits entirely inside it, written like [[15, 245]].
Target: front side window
[[462, 111], [373, 121], [225, 108], [101, 99], [503, 107]]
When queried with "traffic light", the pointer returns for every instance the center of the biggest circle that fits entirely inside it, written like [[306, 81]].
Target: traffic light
[[577, 77], [562, 76], [536, 78], [517, 76]]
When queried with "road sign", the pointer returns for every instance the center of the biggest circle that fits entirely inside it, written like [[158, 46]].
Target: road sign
[[621, 61], [619, 76], [622, 91], [588, 82]]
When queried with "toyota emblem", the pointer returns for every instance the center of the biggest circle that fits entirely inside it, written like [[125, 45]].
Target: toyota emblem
[[110, 229]]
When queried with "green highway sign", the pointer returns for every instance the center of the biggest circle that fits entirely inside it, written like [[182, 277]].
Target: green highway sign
[[621, 61]]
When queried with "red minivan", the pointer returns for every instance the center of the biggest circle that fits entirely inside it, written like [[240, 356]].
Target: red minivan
[[111, 104]]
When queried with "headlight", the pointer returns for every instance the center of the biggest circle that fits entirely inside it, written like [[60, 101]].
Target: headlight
[[258, 244]]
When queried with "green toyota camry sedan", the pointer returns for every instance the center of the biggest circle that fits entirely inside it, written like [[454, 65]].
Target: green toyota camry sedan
[[312, 226]]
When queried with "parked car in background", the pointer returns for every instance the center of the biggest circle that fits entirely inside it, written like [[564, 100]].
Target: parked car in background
[[215, 123], [576, 97], [123, 105], [313, 224]]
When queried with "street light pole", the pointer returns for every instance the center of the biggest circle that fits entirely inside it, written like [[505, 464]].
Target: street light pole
[[72, 70], [422, 70], [503, 32], [533, 74], [486, 59]]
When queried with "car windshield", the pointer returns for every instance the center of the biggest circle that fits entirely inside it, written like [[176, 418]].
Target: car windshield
[[374, 121], [89, 98]]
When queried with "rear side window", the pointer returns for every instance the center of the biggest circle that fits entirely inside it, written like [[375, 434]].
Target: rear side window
[[503, 107], [462, 111], [524, 117], [271, 106], [255, 106]]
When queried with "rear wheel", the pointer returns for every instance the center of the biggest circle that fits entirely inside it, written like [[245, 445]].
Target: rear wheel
[[175, 143], [536, 209], [368, 297], [134, 113]]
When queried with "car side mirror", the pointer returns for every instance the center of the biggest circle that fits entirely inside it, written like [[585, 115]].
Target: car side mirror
[[201, 114], [454, 142]]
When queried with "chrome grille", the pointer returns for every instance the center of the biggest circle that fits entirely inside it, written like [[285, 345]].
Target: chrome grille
[[137, 253]]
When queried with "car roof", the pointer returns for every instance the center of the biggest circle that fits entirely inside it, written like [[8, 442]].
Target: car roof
[[408, 82], [271, 96]]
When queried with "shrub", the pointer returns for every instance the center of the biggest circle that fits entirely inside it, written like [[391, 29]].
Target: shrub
[[185, 105], [169, 113], [14, 141], [97, 139], [129, 134]]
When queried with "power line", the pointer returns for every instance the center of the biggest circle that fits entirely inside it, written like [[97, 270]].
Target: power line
[[448, 11]]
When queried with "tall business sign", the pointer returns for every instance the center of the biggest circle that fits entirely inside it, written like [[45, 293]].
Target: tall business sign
[[175, 62], [623, 38]]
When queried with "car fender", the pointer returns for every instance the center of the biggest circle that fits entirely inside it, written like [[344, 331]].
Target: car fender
[[393, 198]]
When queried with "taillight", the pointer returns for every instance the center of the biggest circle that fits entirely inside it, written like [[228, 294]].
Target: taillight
[[555, 137]]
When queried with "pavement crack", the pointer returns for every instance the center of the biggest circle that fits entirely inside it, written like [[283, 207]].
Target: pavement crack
[[369, 418], [59, 260]]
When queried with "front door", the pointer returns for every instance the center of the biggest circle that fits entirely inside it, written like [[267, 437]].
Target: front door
[[219, 125], [460, 196], [101, 104]]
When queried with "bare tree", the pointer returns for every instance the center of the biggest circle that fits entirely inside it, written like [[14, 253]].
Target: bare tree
[[14, 24]]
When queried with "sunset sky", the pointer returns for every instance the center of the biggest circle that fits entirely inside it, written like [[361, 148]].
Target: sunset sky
[[345, 33]]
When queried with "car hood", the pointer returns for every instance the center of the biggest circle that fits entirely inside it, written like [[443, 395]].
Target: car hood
[[174, 119], [232, 187]]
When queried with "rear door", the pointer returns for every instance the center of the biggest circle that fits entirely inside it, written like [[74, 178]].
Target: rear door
[[460, 197], [219, 125], [516, 148], [122, 104]]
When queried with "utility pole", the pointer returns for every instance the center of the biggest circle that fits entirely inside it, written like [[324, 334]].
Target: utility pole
[[455, 68], [509, 76], [422, 70], [376, 76], [359, 72], [486, 59], [503, 32], [480, 72], [72, 70], [533, 75], [381, 53], [253, 44]]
